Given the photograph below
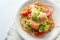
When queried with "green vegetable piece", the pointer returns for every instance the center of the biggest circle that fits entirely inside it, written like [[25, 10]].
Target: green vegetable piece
[[27, 26], [46, 19], [41, 9], [36, 19], [38, 13], [41, 29], [27, 22], [46, 27]]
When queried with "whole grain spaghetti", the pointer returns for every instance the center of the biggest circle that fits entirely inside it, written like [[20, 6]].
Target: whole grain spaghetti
[[36, 19]]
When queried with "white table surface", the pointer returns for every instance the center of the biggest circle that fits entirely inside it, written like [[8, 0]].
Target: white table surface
[[8, 11]]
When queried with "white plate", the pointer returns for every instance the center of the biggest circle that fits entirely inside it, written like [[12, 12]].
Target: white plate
[[56, 18]]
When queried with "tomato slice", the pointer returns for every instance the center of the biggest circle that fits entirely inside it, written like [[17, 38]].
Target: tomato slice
[[26, 13], [48, 12], [38, 34]]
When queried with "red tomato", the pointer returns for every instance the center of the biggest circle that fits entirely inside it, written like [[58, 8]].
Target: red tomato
[[26, 13], [38, 34], [48, 12]]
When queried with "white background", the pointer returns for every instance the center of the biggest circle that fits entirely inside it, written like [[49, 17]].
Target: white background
[[8, 11]]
